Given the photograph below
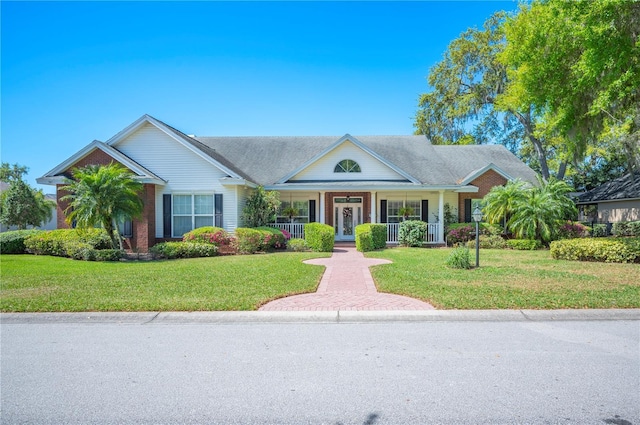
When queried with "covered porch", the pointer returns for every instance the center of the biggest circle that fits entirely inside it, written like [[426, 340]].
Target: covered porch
[[344, 210]]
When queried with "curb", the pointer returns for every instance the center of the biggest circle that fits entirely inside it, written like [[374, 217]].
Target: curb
[[220, 317]]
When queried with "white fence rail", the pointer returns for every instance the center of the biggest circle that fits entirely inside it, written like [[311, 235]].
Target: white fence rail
[[431, 236], [296, 230]]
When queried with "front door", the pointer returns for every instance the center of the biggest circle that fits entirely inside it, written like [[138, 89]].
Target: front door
[[348, 214]]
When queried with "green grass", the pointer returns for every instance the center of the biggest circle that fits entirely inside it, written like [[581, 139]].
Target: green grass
[[507, 280], [32, 283]]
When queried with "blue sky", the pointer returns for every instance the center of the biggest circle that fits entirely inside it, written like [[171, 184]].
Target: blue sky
[[72, 72]]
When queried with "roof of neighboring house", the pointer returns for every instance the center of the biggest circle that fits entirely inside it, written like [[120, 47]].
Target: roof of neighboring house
[[625, 187], [265, 160]]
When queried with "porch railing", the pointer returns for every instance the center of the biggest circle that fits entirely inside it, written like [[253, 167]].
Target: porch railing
[[431, 235], [296, 230]]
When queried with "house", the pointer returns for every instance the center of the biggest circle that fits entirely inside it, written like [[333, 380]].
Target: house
[[614, 201], [49, 225], [192, 181]]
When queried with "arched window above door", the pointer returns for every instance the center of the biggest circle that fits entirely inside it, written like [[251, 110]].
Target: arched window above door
[[347, 166]]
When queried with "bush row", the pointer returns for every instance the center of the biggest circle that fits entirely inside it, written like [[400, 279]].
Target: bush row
[[371, 236], [610, 250], [13, 242], [628, 228], [86, 244], [171, 250], [252, 240]]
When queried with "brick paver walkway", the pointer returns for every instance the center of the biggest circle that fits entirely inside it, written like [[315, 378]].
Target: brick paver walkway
[[346, 285]]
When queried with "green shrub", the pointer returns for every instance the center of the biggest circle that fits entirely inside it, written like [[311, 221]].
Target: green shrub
[[459, 258], [488, 242], [609, 250], [209, 234], [297, 244], [249, 241], [172, 250], [370, 236], [599, 230], [571, 230], [364, 240], [412, 233], [109, 254], [79, 251], [319, 237], [272, 238], [626, 228], [460, 233], [524, 244], [13, 242], [58, 242]]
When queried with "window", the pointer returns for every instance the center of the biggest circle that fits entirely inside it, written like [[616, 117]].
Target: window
[[347, 166], [191, 212], [301, 213], [394, 214], [125, 227]]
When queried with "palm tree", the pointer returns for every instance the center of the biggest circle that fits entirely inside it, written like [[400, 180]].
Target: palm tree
[[501, 201], [103, 195], [538, 213]]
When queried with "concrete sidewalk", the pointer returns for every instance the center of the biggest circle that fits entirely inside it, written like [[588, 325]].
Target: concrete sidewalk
[[346, 285], [213, 317]]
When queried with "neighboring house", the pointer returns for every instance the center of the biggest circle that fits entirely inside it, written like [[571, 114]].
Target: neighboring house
[[192, 181], [49, 225], [614, 201]]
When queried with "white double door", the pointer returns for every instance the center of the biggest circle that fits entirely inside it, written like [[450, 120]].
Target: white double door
[[347, 217]]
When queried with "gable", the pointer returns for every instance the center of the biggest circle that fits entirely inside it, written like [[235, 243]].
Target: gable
[[371, 168], [97, 153], [171, 160]]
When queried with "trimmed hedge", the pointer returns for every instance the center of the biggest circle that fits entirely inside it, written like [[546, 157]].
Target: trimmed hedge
[[171, 250], [488, 242], [626, 228], [412, 232], [524, 244], [65, 242], [319, 237], [607, 250], [208, 234], [599, 230], [297, 245], [252, 240], [371, 236], [13, 242]]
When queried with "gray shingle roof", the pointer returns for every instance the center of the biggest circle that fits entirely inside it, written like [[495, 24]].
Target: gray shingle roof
[[265, 160], [621, 188]]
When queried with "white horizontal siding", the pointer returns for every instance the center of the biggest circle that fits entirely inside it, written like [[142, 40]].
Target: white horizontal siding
[[371, 168], [185, 171]]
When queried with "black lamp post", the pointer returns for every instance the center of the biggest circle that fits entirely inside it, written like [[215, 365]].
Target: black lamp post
[[477, 217]]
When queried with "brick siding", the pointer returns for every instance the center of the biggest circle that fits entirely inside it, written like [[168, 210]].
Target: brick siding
[[484, 183]]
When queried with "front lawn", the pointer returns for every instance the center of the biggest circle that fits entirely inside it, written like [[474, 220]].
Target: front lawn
[[507, 279], [41, 283]]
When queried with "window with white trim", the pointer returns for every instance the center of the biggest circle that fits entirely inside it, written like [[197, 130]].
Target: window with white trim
[[394, 214], [301, 212], [190, 212], [347, 166]]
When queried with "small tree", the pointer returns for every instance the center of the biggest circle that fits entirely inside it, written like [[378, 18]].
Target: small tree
[[21, 204], [103, 195], [261, 208]]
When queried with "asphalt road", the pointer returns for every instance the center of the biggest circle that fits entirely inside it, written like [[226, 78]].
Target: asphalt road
[[132, 369]]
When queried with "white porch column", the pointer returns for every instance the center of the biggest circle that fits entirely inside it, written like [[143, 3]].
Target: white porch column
[[374, 216], [322, 207], [441, 217]]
